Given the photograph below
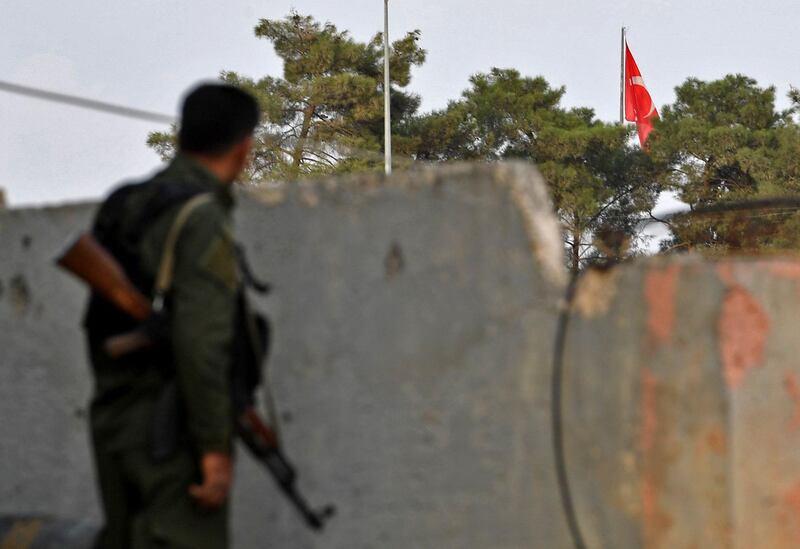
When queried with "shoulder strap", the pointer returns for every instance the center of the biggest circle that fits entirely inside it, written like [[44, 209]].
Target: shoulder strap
[[164, 195], [167, 264]]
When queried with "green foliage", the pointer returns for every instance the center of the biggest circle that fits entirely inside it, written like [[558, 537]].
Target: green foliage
[[720, 140], [724, 141], [598, 180], [326, 114]]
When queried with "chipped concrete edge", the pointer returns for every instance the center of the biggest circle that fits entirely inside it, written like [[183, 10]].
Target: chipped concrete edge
[[529, 191], [76, 206], [526, 185]]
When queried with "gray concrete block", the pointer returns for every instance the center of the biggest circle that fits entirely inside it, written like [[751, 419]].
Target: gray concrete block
[[413, 336]]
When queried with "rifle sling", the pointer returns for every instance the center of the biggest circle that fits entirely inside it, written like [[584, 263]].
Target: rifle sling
[[167, 264]]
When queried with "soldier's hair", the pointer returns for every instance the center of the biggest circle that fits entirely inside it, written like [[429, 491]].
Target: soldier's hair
[[215, 117]]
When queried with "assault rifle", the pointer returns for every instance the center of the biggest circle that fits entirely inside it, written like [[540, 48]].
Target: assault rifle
[[90, 262]]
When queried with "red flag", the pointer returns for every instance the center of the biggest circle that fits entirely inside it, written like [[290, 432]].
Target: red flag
[[639, 106]]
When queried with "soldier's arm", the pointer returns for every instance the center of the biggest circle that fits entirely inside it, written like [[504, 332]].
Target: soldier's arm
[[204, 297]]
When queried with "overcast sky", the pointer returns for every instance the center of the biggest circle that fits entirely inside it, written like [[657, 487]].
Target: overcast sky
[[144, 54]]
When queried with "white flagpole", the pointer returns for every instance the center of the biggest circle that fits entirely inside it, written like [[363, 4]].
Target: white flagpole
[[621, 80], [387, 136]]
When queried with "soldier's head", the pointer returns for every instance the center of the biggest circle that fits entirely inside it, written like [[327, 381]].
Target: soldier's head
[[217, 124]]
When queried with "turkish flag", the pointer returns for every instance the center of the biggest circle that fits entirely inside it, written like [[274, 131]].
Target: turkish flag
[[639, 106]]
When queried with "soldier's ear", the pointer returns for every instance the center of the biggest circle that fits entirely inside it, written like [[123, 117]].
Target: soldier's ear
[[248, 145], [241, 154], [244, 147]]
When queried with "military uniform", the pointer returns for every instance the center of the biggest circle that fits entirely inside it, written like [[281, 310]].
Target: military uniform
[[146, 500]]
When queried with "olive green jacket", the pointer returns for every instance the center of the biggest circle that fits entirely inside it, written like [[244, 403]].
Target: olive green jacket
[[201, 307]]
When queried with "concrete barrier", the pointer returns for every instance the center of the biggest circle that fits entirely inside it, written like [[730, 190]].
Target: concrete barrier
[[413, 337], [682, 404], [416, 321], [46, 533]]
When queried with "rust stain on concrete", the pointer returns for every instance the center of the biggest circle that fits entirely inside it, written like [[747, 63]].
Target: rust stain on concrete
[[717, 441], [649, 421], [743, 331], [652, 433], [660, 287], [784, 268], [792, 385], [789, 518], [727, 273]]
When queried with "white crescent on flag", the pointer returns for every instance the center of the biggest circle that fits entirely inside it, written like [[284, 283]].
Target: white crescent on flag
[[639, 81], [637, 99]]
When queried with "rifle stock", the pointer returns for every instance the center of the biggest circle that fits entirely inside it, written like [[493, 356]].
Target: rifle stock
[[93, 264]]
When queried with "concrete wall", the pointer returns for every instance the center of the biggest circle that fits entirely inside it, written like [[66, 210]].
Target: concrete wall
[[682, 404], [414, 320], [44, 381], [415, 328]]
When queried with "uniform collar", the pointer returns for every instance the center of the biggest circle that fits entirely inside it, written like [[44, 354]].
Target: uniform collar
[[184, 168]]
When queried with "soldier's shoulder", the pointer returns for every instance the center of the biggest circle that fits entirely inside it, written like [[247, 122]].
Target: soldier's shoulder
[[209, 241], [209, 210], [206, 219], [115, 207]]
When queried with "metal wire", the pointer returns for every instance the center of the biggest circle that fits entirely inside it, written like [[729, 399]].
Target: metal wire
[[784, 205], [85, 103], [789, 203]]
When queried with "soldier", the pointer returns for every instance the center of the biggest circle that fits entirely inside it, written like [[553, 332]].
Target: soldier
[[161, 418]]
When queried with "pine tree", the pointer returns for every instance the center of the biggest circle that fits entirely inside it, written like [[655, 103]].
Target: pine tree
[[325, 115], [599, 181], [721, 141]]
